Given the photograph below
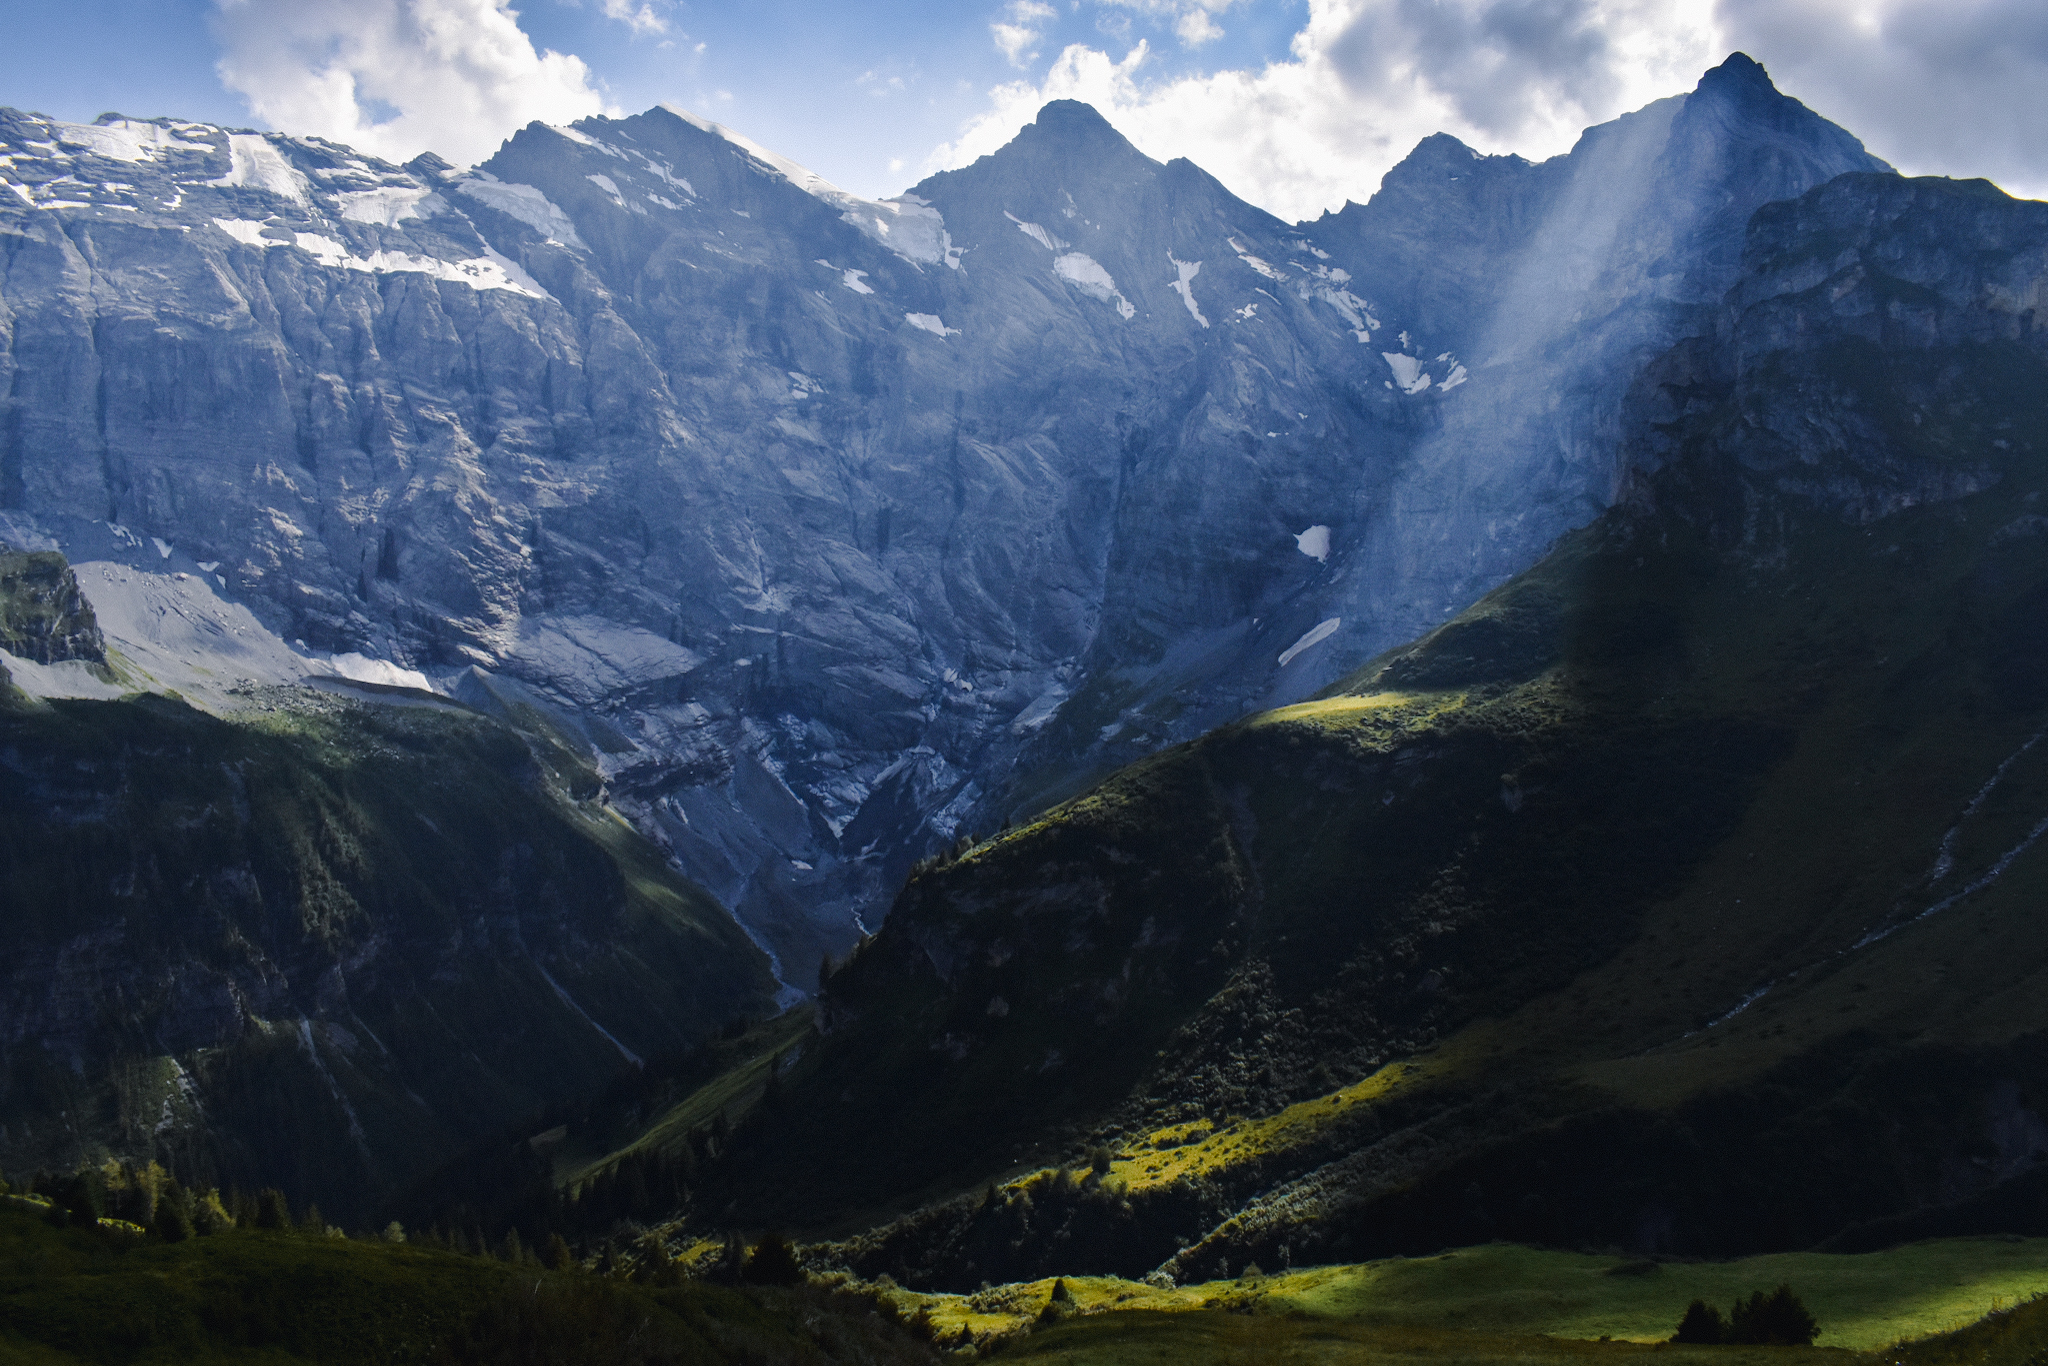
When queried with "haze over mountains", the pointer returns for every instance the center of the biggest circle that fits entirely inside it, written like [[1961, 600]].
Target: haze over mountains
[[845, 529]]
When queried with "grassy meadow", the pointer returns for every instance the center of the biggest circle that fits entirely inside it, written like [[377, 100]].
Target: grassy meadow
[[1502, 1298]]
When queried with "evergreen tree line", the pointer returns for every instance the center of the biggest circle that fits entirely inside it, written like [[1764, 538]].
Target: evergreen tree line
[[1774, 1320], [153, 1200]]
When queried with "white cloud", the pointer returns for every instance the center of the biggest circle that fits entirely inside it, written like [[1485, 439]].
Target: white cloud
[[398, 77], [640, 18], [1024, 26], [1936, 87], [1368, 79], [1193, 20], [1953, 87]]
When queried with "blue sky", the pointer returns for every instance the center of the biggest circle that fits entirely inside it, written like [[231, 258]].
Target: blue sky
[[1296, 104]]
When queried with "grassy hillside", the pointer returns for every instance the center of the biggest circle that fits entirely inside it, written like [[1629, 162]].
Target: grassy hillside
[[77, 1296], [1677, 896], [1503, 1301], [325, 943]]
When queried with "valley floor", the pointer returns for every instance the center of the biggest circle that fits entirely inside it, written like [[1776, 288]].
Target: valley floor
[[1522, 1300]]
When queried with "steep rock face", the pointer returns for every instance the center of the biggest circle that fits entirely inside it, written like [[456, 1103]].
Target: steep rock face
[[1554, 284], [844, 525], [43, 616], [1687, 881]]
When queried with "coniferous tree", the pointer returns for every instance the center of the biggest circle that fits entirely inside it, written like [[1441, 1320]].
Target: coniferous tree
[[560, 1258], [772, 1262], [1777, 1319], [271, 1210], [1702, 1324], [172, 1223]]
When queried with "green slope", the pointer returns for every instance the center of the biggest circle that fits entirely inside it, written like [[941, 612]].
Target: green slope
[[325, 943], [74, 1296]]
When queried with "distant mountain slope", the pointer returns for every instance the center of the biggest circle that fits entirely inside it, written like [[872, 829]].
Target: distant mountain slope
[[324, 941], [853, 526], [1680, 895]]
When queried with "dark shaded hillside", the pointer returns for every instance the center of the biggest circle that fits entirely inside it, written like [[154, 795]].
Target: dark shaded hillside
[[1688, 876], [75, 1295], [327, 943]]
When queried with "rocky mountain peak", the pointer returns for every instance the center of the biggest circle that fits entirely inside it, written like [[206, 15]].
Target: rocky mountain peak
[[1740, 72], [1076, 122], [852, 525]]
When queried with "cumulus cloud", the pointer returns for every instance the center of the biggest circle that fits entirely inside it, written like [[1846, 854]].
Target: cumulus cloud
[[1936, 87], [1365, 80], [1952, 87], [1022, 25], [1194, 21], [398, 77], [640, 18]]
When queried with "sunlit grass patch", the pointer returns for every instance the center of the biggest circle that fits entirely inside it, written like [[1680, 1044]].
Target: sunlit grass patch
[[1181, 1152]]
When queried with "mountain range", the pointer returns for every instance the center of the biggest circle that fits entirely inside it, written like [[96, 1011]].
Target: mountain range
[[855, 527], [1507, 711]]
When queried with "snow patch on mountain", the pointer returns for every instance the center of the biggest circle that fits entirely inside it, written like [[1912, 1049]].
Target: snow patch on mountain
[[1184, 286], [489, 271], [256, 164], [1036, 233], [125, 139], [1314, 543], [1408, 372], [1270, 272], [1086, 274], [385, 206], [931, 323], [1315, 635], [524, 203], [243, 230]]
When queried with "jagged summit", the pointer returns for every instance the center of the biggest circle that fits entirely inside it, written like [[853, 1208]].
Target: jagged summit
[[1075, 119], [1739, 69], [851, 514]]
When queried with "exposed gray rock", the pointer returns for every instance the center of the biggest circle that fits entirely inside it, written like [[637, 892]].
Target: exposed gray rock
[[848, 527]]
